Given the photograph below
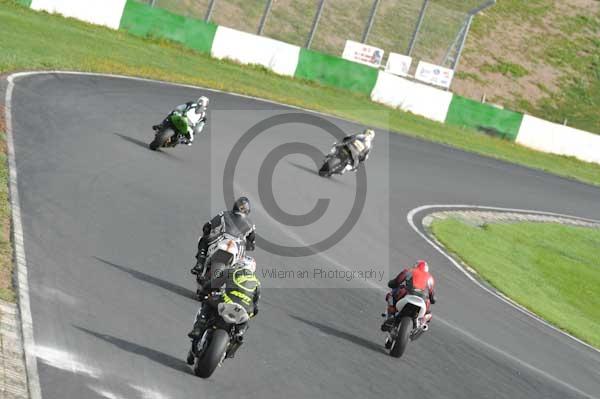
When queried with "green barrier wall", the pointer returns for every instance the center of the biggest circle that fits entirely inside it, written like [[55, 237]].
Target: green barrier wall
[[143, 20], [334, 71], [26, 3], [492, 120]]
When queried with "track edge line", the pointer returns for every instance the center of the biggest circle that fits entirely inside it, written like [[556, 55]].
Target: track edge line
[[24, 305]]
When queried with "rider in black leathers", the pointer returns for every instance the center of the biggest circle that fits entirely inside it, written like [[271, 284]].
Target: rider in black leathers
[[237, 284], [359, 146], [235, 222]]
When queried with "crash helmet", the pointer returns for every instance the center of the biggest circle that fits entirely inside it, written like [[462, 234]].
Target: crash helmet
[[369, 134], [241, 206], [247, 263], [202, 102], [422, 265]]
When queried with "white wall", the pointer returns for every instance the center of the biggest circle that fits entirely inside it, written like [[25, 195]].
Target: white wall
[[100, 12], [246, 48], [410, 96], [558, 139]]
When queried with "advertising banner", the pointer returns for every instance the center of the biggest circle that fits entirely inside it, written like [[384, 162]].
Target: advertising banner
[[362, 53], [434, 74], [398, 64]]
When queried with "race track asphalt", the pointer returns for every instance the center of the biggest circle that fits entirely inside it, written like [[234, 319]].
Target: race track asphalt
[[110, 230]]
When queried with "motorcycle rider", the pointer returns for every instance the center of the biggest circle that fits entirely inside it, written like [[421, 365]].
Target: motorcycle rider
[[195, 114], [415, 281], [359, 146], [235, 222], [238, 284]]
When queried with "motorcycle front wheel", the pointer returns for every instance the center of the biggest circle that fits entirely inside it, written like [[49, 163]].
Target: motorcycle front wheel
[[209, 360], [402, 337]]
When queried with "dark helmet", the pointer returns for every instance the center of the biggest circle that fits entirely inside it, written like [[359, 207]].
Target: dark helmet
[[241, 206]]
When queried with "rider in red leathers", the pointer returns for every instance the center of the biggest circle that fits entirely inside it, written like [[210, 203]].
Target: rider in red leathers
[[416, 281]]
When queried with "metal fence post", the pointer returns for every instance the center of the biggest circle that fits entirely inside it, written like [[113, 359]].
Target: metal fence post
[[413, 39], [462, 42], [152, 3], [450, 57], [265, 15], [367, 30], [209, 12], [313, 29]]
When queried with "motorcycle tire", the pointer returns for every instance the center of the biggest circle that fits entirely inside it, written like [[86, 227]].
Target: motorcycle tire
[[324, 171], [401, 340], [161, 138], [209, 360]]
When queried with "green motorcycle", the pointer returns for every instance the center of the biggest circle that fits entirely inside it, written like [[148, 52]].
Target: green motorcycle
[[169, 135]]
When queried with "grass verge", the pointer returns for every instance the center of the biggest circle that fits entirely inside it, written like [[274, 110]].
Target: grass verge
[[551, 269]]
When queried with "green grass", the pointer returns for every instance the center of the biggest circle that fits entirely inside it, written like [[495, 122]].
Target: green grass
[[551, 269], [506, 68], [38, 41]]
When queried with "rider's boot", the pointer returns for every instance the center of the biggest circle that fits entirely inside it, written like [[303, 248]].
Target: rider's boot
[[388, 342], [199, 325], [190, 357], [389, 318]]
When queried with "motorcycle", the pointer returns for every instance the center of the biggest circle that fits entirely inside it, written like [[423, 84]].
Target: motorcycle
[[223, 252], [171, 133], [338, 159], [218, 339], [408, 325]]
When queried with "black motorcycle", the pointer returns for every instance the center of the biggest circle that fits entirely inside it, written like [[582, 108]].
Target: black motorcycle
[[169, 134], [338, 159], [218, 339]]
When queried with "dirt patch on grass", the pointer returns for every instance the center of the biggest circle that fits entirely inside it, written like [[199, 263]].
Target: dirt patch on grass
[[514, 48], [2, 122], [6, 264], [537, 41]]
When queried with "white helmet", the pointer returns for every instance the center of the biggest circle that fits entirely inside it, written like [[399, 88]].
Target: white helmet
[[203, 102], [246, 263], [369, 133]]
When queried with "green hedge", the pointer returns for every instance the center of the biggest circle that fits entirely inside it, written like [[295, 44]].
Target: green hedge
[[484, 117], [335, 71], [143, 20]]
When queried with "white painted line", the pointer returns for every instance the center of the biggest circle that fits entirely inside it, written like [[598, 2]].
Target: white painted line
[[410, 218], [517, 360], [258, 99], [20, 261]]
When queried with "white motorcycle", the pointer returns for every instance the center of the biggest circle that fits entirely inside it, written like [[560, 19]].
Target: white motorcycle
[[408, 325], [223, 252]]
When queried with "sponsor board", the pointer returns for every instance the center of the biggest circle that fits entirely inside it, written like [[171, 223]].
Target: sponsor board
[[398, 64], [434, 74], [362, 53]]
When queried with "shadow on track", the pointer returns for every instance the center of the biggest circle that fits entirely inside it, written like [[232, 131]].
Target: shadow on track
[[150, 279], [365, 343], [314, 172], [148, 353], [144, 145]]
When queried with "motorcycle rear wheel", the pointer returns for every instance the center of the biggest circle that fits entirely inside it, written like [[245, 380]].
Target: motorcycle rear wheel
[[209, 360], [161, 138], [402, 338]]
